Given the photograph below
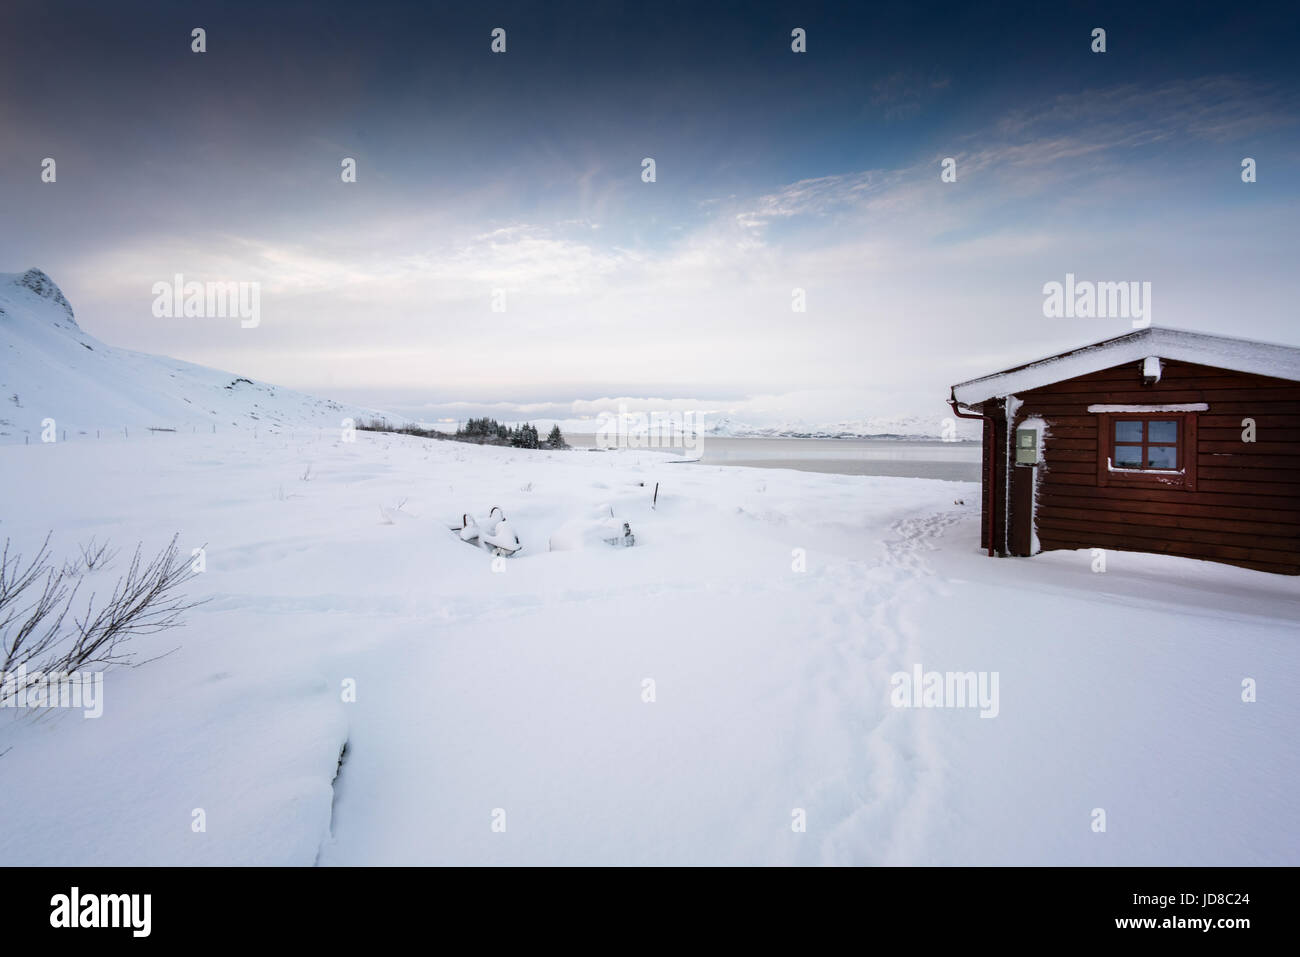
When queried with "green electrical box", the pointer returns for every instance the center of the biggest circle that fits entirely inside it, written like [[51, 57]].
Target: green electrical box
[[1026, 446]]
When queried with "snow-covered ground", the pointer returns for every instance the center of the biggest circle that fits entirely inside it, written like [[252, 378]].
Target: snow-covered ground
[[523, 690]]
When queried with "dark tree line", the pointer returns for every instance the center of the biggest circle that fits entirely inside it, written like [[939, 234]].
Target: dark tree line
[[483, 431], [488, 431]]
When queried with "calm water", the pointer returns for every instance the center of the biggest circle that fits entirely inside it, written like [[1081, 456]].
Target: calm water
[[955, 461]]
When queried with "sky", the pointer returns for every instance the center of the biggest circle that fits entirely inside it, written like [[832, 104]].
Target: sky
[[516, 178]]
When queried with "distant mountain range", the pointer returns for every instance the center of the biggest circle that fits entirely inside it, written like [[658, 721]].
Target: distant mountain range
[[905, 428], [908, 427], [884, 427]]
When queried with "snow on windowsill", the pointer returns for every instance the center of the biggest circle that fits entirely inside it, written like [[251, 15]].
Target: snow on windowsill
[[1113, 468], [1170, 407]]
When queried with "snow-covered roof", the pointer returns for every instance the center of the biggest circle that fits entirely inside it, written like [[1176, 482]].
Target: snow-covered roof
[[1221, 352]]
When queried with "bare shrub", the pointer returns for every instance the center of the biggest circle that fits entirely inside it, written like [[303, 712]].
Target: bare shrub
[[44, 629]]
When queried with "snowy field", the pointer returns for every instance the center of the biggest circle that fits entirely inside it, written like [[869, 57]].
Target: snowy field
[[522, 690]]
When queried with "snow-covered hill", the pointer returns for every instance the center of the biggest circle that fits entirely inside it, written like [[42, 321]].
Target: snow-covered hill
[[51, 369]]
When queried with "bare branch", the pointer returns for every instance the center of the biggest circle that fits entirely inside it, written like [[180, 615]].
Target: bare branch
[[40, 629]]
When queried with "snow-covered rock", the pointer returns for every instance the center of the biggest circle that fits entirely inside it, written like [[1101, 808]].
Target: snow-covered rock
[[599, 528]]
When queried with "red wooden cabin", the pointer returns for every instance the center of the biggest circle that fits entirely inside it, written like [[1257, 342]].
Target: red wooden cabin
[[1156, 441]]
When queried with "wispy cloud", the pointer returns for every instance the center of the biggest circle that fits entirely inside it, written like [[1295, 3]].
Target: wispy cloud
[[901, 271], [906, 92]]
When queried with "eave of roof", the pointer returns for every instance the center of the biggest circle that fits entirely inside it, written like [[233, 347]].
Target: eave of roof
[[1223, 352]]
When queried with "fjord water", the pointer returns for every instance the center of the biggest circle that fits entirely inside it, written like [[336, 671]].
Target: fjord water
[[953, 461]]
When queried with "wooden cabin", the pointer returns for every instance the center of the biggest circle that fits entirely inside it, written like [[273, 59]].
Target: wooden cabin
[[1156, 441]]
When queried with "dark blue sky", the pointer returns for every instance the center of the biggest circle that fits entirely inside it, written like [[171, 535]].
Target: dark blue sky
[[775, 170]]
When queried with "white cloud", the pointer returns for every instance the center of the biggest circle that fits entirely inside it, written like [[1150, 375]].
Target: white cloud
[[908, 279]]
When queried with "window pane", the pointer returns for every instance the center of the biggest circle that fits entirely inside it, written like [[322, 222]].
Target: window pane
[[1162, 431], [1128, 456], [1162, 456], [1128, 430]]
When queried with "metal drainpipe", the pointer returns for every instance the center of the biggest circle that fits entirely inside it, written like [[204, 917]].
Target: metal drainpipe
[[990, 430]]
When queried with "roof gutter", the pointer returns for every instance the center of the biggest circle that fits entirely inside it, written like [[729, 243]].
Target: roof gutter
[[990, 470]]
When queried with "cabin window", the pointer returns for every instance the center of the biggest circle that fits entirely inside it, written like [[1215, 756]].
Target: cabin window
[[1145, 444], [1147, 448]]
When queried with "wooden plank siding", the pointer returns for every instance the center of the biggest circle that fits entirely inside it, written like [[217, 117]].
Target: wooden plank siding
[[1245, 507]]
